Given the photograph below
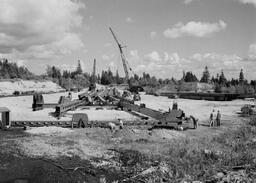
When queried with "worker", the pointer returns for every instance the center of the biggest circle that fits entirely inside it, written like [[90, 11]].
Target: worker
[[70, 95], [218, 118], [211, 122], [121, 123], [175, 106], [112, 127], [195, 121]]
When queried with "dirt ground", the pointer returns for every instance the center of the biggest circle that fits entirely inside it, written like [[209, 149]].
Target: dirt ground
[[24, 154], [21, 109]]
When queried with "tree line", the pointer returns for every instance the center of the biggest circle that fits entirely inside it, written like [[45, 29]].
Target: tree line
[[78, 79], [10, 70]]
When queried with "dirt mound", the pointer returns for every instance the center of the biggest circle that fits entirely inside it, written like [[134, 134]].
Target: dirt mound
[[196, 87], [9, 87], [171, 88]]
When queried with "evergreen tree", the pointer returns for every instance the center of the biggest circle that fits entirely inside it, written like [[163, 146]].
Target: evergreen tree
[[241, 77], [79, 68], [206, 76], [222, 79], [190, 77]]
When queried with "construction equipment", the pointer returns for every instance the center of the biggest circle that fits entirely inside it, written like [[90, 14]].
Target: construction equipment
[[131, 88], [38, 102], [122, 57], [173, 118], [72, 105]]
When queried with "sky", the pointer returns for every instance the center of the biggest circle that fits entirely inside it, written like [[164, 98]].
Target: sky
[[161, 37]]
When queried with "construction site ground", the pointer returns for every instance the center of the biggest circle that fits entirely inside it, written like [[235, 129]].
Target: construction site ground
[[54, 154]]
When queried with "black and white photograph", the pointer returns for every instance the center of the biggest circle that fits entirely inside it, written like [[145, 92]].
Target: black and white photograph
[[127, 91]]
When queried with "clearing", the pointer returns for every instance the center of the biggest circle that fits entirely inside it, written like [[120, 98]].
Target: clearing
[[43, 154]]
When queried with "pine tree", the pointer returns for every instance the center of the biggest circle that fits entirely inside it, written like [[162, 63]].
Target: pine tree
[[206, 76], [222, 78], [241, 77], [79, 68]]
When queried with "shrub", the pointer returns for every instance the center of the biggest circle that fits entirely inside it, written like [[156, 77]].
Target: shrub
[[253, 120]]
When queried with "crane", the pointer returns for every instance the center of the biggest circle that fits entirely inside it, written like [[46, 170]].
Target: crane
[[122, 56]]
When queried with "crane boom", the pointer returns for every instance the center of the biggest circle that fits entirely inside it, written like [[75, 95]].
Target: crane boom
[[122, 56]]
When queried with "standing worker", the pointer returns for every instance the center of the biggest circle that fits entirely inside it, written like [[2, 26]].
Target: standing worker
[[211, 118], [121, 123], [175, 106], [195, 121], [70, 95], [218, 118]]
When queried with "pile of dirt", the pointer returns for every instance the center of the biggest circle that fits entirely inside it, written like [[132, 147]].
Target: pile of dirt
[[196, 87], [23, 86], [170, 88]]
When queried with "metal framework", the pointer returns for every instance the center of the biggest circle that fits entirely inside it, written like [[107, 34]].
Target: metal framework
[[122, 56]]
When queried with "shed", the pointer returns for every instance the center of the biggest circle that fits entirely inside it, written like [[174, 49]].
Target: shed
[[5, 117], [80, 120]]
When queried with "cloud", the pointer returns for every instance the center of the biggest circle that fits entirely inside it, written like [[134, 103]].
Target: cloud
[[196, 29], [110, 57], [134, 53], [105, 57], [33, 30], [252, 51], [108, 45], [153, 35], [129, 20], [253, 2], [187, 1], [167, 65], [153, 56]]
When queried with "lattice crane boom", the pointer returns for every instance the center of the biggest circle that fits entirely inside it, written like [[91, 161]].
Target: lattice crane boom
[[122, 56]]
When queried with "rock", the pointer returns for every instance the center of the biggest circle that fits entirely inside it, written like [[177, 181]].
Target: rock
[[197, 181], [220, 175], [254, 140], [207, 151]]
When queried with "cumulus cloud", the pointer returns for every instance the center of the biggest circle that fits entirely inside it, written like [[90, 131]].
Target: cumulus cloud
[[129, 20], [187, 1], [252, 51], [134, 53], [253, 2], [153, 56], [153, 34], [196, 29], [39, 30], [167, 65]]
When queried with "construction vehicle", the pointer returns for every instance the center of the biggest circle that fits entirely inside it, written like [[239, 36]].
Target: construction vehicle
[[173, 118], [127, 82], [38, 102]]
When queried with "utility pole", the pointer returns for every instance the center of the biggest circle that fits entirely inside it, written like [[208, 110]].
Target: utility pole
[[94, 71]]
